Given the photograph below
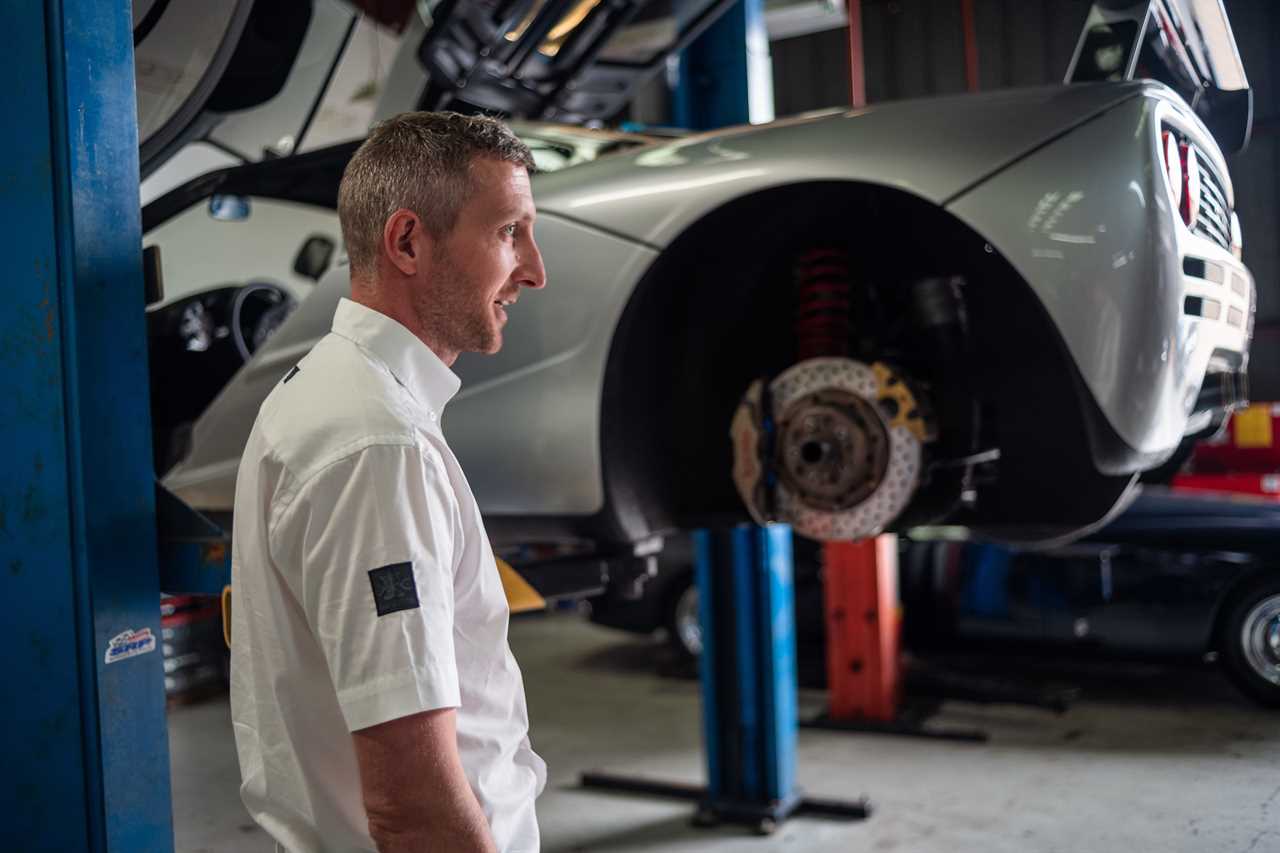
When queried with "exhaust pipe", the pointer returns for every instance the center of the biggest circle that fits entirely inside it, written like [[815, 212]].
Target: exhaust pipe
[[1223, 392]]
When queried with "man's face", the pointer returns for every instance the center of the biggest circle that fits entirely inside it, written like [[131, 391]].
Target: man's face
[[478, 269]]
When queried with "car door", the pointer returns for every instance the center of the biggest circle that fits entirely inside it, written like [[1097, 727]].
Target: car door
[[242, 78]]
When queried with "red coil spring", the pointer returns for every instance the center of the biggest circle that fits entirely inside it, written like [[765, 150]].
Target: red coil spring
[[822, 303]]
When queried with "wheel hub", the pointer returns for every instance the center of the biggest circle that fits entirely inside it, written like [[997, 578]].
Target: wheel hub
[[832, 447], [1260, 639], [686, 621]]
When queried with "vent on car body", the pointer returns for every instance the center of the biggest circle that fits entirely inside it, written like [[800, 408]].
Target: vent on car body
[[1214, 219]]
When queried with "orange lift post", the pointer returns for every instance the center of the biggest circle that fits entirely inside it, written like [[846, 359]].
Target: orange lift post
[[860, 600], [860, 579]]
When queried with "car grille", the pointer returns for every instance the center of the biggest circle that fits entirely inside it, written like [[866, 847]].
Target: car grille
[[1214, 219]]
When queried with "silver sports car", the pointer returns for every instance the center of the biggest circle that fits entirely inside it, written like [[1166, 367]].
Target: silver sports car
[[996, 309]]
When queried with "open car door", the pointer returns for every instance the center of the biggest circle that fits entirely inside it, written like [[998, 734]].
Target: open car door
[[244, 77], [1185, 44]]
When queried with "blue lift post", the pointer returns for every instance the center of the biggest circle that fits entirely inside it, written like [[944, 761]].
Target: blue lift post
[[86, 749], [744, 574], [748, 671], [724, 77]]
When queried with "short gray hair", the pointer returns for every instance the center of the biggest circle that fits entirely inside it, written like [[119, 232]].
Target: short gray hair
[[419, 161]]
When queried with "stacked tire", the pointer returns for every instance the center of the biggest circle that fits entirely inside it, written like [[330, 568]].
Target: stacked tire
[[195, 655]]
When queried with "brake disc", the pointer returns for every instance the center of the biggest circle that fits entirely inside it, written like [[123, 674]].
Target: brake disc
[[831, 446]]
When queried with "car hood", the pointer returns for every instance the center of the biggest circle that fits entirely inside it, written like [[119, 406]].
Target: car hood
[[933, 148]]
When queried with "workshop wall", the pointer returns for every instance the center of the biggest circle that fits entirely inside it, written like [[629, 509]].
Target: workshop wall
[[1256, 175], [914, 48]]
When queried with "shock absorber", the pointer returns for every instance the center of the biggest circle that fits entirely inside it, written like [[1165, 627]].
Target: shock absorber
[[831, 445], [823, 306]]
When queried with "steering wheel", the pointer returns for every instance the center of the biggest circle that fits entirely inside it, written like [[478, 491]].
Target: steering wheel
[[259, 308]]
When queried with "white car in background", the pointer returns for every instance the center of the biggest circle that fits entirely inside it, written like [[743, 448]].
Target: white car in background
[[994, 310]]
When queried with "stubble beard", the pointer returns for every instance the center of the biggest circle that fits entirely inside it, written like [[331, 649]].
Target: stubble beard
[[454, 308]]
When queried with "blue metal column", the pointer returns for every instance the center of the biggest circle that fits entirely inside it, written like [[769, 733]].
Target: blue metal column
[[748, 669], [746, 609], [85, 743], [724, 78]]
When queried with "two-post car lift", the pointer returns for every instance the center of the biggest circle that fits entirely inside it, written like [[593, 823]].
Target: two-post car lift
[[86, 749]]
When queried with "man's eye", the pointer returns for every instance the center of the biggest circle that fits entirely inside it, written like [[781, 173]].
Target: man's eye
[[509, 230]]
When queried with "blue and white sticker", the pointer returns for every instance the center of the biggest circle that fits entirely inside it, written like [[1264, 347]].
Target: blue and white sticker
[[130, 644]]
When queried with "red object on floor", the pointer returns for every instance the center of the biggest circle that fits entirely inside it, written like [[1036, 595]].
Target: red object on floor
[[1245, 459], [1251, 443], [860, 596]]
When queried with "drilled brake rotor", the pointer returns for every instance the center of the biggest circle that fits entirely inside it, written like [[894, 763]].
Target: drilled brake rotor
[[844, 458]]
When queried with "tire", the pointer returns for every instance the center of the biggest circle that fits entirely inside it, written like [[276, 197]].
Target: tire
[[1249, 640], [684, 631]]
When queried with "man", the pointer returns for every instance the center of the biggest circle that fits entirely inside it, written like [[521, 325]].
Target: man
[[375, 701]]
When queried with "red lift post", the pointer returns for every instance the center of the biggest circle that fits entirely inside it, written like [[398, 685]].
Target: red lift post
[[860, 579], [857, 68], [970, 46], [860, 597]]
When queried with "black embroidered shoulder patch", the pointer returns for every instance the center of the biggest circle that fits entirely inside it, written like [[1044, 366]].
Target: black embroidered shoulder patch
[[393, 588]]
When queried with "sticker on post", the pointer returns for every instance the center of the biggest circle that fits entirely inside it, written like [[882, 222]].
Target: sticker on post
[[130, 644]]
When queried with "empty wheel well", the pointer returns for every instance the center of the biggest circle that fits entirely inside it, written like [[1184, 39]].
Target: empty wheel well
[[715, 312]]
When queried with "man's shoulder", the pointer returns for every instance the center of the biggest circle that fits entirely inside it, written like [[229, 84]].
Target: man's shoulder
[[335, 402]]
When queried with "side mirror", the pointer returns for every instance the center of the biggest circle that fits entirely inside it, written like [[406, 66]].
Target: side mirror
[[314, 256], [229, 208]]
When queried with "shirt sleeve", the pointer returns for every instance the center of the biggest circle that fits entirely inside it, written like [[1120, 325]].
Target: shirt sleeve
[[373, 536]]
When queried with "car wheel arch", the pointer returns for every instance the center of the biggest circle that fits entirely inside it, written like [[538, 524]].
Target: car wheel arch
[[683, 348]]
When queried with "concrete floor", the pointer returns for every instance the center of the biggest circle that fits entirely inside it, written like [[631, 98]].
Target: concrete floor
[[1149, 759]]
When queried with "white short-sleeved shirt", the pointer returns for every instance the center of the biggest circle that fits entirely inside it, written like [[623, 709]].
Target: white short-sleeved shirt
[[364, 590]]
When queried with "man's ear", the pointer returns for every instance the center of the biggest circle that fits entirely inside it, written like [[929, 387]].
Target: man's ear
[[405, 241]]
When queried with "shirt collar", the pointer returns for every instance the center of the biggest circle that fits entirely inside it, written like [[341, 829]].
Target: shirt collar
[[411, 362]]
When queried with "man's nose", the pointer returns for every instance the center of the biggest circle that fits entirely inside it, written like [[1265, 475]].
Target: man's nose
[[535, 274]]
